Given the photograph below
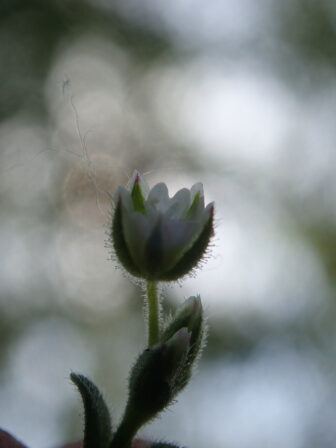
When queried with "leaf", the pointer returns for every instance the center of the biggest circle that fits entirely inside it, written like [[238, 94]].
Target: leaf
[[97, 431]]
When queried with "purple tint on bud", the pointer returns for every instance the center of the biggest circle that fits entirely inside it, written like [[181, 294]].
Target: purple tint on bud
[[196, 314], [178, 344], [192, 307], [188, 315]]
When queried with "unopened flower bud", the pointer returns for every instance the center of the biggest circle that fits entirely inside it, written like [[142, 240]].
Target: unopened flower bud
[[154, 378], [158, 238], [190, 316], [174, 353]]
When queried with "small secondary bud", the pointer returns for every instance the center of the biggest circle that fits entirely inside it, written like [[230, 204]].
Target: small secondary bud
[[154, 379], [174, 353], [190, 316]]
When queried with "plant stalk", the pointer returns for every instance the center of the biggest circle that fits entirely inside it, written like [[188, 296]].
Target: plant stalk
[[153, 313], [124, 435]]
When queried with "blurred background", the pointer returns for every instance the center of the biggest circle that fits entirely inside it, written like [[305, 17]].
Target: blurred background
[[240, 95]]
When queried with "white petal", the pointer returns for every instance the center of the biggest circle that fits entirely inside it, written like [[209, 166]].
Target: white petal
[[179, 204], [209, 208], [158, 198], [124, 195], [197, 188], [196, 205]]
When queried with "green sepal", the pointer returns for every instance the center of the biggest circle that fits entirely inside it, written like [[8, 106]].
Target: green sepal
[[193, 207], [119, 243], [97, 430], [137, 198], [191, 258]]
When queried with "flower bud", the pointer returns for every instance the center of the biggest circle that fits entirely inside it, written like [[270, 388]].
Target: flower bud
[[189, 315], [156, 237], [154, 378], [175, 352]]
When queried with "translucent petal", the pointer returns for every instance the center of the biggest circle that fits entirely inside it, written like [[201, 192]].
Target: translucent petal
[[158, 198], [197, 188], [123, 195], [179, 204], [197, 202]]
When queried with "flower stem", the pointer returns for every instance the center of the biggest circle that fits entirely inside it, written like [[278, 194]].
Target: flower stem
[[153, 313], [125, 433]]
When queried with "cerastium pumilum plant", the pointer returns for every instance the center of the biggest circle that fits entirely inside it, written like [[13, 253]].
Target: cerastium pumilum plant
[[155, 239]]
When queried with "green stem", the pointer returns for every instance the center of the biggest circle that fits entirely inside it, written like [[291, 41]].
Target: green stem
[[124, 435], [153, 314]]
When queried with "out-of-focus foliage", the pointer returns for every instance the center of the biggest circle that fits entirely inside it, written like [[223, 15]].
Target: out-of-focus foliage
[[239, 95]]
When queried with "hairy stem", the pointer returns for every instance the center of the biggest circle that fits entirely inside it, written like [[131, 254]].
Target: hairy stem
[[124, 435], [153, 314]]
